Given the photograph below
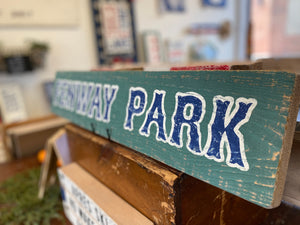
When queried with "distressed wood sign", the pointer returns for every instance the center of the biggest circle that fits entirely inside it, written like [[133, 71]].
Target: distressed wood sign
[[232, 129]]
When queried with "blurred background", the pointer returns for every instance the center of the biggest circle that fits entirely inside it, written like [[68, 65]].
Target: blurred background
[[40, 37]]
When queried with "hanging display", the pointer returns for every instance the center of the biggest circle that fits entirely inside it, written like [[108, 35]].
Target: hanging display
[[115, 33]]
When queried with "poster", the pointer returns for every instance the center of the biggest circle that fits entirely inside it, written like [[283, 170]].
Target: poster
[[116, 28]]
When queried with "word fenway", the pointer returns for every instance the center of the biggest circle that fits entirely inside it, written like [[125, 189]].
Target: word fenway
[[95, 100]]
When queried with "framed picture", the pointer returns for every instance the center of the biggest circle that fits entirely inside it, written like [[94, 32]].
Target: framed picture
[[153, 47], [115, 32], [172, 5], [176, 51], [12, 105]]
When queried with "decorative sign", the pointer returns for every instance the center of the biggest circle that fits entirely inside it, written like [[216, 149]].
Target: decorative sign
[[115, 33], [80, 207], [116, 20], [232, 129], [176, 51], [12, 105], [172, 5], [38, 12], [214, 3], [153, 48], [87, 200]]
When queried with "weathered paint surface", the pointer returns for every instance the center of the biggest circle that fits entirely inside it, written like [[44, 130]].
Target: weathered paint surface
[[223, 127]]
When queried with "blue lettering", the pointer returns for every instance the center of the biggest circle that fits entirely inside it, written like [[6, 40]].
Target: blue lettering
[[96, 103], [224, 128], [62, 94], [71, 96], [192, 120], [137, 102], [57, 93], [110, 94], [84, 93], [155, 114]]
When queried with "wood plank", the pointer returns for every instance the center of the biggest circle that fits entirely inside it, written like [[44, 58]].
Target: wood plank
[[143, 182], [57, 151], [95, 199], [164, 195], [292, 185], [280, 64], [241, 122]]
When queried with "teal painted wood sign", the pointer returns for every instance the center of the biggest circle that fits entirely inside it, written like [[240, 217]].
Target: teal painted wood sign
[[232, 129]]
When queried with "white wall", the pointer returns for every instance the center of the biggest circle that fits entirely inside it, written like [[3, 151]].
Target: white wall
[[74, 48], [173, 25], [71, 48]]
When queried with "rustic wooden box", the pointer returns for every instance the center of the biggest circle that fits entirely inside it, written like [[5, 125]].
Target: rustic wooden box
[[163, 194]]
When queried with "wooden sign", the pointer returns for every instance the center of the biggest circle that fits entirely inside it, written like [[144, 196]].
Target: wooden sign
[[39, 13], [116, 22], [79, 206], [232, 129], [115, 31], [12, 105], [87, 200]]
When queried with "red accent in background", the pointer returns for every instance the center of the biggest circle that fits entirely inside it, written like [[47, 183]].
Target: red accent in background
[[209, 67]]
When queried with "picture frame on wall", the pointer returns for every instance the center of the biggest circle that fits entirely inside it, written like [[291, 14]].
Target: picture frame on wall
[[12, 106], [176, 51], [172, 5], [115, 31], [153, 47]]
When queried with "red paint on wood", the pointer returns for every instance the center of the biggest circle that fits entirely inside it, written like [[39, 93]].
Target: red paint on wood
[[207, 67]]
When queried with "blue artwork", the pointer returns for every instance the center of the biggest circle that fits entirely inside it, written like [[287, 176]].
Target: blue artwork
[[172, 5], [214, 3]]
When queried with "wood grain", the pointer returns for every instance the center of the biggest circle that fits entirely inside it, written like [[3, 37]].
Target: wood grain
[[164, 195], [292, 184]]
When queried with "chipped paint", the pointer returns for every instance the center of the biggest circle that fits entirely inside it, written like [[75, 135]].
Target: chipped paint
[[264, 185], [275, 154]]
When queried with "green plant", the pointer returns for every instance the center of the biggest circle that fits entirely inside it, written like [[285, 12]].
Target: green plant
[[42, 46], [19, 203]]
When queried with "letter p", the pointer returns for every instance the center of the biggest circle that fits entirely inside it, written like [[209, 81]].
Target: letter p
[[137, 102]]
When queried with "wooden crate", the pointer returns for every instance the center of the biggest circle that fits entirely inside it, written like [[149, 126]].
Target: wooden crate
[[163, 194]]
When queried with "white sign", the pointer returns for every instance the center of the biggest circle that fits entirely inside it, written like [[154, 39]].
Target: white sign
[[153, 48], [116, 27], [12, 106], [79, 205], [38, 12]]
